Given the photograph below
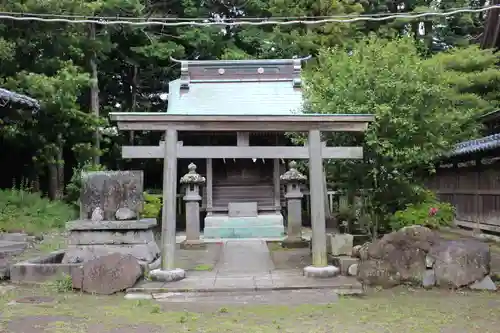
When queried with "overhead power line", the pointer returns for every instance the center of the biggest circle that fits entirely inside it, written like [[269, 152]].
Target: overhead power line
[[231, 22], [243, 18]]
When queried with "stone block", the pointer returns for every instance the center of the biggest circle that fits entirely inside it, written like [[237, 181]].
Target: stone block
[[429, 279], [107, 275], [87, 237], [110, 225], [262, 226], [167, 275], [144, 253], [343, 263], [484, 284], [242, 209], [111, 190], [41, 269], [341, 244], [321, 272], [352, 270]]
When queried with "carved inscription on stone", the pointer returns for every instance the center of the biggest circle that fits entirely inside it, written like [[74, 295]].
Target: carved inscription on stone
[[110, 191]]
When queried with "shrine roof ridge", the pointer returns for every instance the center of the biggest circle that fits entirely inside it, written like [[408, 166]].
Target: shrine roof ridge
[[252, 62]]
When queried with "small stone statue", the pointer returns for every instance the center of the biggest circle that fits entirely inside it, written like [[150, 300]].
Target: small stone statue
[[97, 215]]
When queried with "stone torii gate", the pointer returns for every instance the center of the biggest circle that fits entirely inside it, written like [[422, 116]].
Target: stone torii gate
[[315, 151]]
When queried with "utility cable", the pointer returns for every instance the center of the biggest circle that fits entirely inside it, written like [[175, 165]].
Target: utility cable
[[264, 22], [242, 18]]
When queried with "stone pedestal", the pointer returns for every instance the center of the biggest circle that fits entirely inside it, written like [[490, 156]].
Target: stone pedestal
[[344, 263], [340, 244], [89, 240], [321, 272], [192, 181], [293, 178]]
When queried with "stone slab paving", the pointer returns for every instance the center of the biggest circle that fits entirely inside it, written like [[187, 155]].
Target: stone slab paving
[[277, 280], [243, 266], [249, 256]]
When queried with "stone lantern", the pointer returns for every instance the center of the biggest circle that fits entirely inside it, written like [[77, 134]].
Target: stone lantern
[[191, 182], [293, 179]]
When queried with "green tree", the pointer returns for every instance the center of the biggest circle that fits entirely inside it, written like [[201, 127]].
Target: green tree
[[418, 106]]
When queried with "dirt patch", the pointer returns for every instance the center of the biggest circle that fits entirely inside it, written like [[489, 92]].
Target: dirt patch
[[37, 324], [290, 258], [140, 328], [35, 299], [192, 260]]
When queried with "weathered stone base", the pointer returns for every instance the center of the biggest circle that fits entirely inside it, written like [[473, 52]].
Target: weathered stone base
[[321, 272], [167, 275], [193, 245], [144, 253], [89, 240], [41, 269], [343, 263], [295, 243]]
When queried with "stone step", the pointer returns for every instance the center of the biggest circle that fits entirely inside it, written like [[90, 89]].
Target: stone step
[[244, 186], [263, 226], [15, 237], [12, 248], [244, 232]]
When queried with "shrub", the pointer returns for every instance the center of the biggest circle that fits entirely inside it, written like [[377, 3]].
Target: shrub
[[431, 214], [152, 205], [23, 211], [75, 184]]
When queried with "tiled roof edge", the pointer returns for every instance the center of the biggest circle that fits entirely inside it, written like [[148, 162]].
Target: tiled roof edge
[[11, 96], [482, 144]]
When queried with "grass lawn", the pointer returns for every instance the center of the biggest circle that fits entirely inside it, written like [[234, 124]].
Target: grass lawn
[[398, 310]]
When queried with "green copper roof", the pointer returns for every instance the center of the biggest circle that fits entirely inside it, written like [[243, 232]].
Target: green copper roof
[[235, 98]]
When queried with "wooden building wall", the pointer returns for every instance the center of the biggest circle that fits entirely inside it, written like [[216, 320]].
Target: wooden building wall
[[472, 185]]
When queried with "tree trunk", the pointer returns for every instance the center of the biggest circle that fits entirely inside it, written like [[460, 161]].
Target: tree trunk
[[133, 98], [94, 94], [52, 167], [60, 169]]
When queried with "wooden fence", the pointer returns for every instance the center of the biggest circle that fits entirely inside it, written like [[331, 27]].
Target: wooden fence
[[473, 187]]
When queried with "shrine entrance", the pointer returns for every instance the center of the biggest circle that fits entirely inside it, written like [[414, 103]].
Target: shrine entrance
[[243, 188], [171, 149]]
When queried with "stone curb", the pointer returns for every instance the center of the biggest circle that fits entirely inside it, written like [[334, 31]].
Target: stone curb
[[339, 291]]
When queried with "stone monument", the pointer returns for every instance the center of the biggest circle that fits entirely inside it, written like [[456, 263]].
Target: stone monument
[[110, 206]]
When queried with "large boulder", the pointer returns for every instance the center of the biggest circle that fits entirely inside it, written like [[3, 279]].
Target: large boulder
[[107, 275], [459, 263], [398, 257]]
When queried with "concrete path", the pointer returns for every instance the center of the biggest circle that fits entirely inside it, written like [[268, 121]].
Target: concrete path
[[206, 282], [244, 266], [249, 257]]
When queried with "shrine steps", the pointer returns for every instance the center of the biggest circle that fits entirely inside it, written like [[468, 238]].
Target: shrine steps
[[260, 226]]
